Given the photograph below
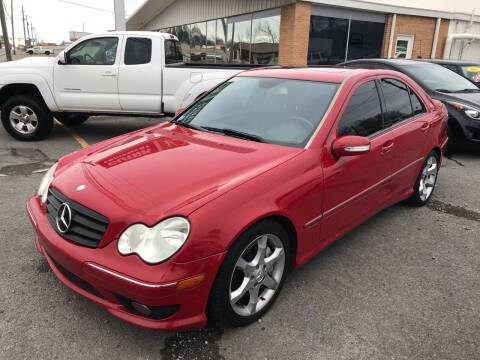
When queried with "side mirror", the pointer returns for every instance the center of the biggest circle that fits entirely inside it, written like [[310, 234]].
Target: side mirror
[[62, 59], [350, 146]]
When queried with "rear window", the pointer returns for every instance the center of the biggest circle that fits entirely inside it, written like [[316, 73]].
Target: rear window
[[138, 51], [397, 101], [173, 52], [279, 111]]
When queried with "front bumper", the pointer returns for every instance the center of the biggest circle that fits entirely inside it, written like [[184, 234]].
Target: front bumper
[[109, 279]]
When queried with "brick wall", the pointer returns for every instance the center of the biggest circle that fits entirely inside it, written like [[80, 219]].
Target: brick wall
[[294, 34], [423, 28]]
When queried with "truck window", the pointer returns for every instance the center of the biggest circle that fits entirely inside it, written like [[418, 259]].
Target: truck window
[[173, 52], [138, 51], [97, 51]]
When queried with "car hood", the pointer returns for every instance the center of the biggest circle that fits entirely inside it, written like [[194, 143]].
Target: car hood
[[472, 99], [163, 171], [29, 62]]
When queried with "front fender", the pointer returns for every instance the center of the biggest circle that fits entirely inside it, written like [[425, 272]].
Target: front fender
[[31, 79]]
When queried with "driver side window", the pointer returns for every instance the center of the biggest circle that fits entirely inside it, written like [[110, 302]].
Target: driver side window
[[363, 114], [97, 51]]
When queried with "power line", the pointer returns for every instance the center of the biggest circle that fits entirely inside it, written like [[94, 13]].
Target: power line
[[86, 6]]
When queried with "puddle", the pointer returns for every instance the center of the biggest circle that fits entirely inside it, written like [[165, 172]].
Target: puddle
[[453, 210], [193, 345], [23, 161]]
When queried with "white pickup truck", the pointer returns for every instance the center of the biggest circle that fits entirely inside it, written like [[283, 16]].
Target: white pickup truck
[[134, 73]]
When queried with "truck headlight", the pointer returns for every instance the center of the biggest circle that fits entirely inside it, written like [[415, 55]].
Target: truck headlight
[[470, 111], [45, 183], [155, 244]]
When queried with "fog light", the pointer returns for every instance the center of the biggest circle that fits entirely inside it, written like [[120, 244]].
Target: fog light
[[142, 309]]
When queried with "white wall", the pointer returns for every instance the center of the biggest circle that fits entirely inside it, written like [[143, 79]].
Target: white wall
[[464, 49], [459, 6]]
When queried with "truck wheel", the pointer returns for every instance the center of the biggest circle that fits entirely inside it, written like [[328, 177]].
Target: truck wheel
[[26, 118], [30, 52], [47, 52], [71, 119]]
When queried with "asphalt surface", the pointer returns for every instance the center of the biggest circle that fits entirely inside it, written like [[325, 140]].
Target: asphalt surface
[[403, 285]]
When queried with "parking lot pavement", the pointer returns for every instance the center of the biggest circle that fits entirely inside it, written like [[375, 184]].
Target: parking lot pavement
[[403, 285]]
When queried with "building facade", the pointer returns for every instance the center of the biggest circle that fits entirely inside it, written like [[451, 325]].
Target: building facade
[[297, 33]]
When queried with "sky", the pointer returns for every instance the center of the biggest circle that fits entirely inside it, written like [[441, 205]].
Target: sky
[[53, 19]]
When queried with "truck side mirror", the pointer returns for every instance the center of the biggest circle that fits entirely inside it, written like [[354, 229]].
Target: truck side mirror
[[62, 60]]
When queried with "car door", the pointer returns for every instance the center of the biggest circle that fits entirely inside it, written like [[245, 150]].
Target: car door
[[356, 186], [140, 76], [88, 80], [406, 119]]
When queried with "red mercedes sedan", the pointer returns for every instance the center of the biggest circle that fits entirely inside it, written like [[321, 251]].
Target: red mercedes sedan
[[205, 214]]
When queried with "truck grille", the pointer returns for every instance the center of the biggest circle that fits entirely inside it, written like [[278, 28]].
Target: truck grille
[[87, 227]]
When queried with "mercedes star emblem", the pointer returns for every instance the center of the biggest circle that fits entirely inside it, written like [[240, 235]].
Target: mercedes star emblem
[[64, 218]]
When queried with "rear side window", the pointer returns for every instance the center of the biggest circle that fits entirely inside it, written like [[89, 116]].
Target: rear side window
[[363, 114], [417, 105], [138, 51], [173, 52], [397, 101]]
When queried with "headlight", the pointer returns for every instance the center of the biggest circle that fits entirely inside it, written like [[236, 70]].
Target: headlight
[[45, 183], [471, 112], [157, 243]]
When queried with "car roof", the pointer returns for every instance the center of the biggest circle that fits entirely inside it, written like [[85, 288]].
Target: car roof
[[451, 62], [321, 73], [398, 62]]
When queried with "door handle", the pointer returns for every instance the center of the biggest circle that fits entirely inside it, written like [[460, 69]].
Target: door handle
[[387, 147], [109, 73], [425, 127]]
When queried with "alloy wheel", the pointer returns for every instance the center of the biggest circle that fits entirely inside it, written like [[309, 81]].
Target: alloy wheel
[[428, 178], [257, 275], [23, 119]]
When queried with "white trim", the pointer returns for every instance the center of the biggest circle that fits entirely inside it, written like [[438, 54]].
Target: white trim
[[136, 282], [435, 38], [392, 36]]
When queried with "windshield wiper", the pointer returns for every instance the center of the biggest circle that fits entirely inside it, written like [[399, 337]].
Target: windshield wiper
[[443, 90], [469, 90], [185, 124], [235, 133]]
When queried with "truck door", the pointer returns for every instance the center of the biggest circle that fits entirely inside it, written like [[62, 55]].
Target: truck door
[[140, 75], [89, 79]]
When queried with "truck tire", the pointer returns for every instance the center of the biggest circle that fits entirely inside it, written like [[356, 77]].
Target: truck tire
[[47, 52], [26, 118], [71, 119], [30, 52]]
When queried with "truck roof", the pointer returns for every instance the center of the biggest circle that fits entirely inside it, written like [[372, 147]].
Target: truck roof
[[130, 33]]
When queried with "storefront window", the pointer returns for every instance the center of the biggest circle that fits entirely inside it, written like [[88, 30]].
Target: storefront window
[[198, 42], [221, 48], [266, 37], [183, 35], [328, 40], [239, 39], [211, 33], [365, 40]]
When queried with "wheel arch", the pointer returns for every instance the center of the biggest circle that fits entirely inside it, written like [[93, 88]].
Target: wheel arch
[[10, 90]]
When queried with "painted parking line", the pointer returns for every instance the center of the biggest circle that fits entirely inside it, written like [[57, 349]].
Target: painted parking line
[[77, 137]]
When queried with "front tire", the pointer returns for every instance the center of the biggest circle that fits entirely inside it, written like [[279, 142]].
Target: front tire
[[426, 180], [26, 118], [71, 119], [251, 275]]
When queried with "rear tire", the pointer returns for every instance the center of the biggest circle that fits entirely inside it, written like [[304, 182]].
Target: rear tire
[[26, 118], [71, 119], [247, 282], [455, 134], [426, 180], [47, 52]]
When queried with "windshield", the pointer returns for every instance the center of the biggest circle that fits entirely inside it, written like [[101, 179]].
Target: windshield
[[436, 77], [272, 110]]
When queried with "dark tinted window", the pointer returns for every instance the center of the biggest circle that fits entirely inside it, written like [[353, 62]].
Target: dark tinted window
[[363, 115], [138, 51], [173, 52], [418, 107], [397, 101]]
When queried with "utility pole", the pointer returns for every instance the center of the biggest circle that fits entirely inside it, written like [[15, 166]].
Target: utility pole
[[13, 29], [24, 32], [28, 32], [119, 7], [5, 33], [31, 33]]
